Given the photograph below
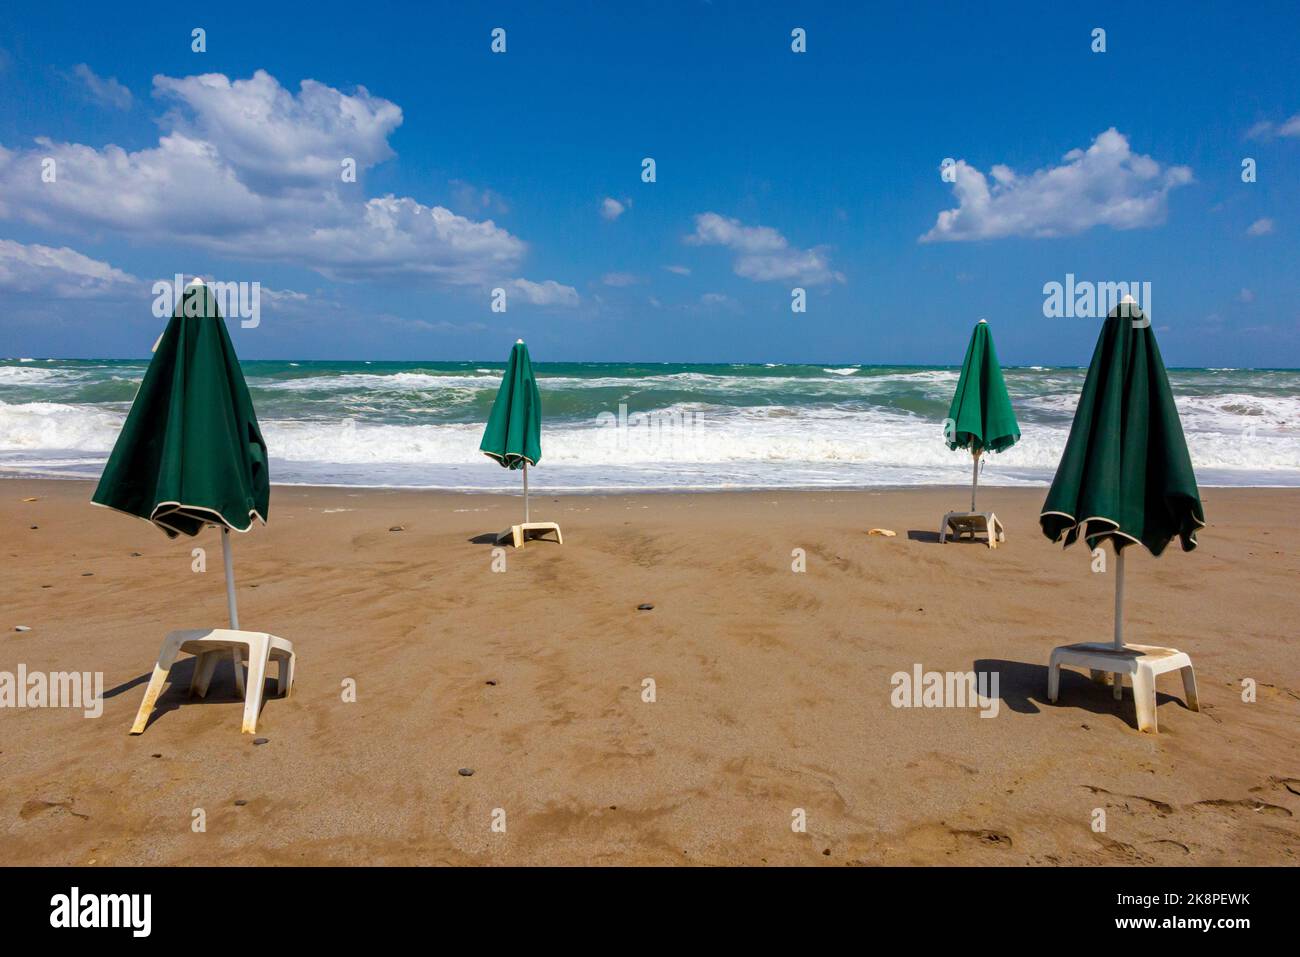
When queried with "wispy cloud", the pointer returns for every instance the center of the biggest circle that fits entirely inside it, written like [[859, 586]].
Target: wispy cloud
[[618, 279], [1267, 129], [1260, 227], [762, 253], [104, 90], [473, 200], [679, 270], [611, 209], [1105, 185]]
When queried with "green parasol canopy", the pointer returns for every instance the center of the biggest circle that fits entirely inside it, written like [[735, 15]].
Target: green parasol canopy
[[1126, 474], [190, 453], [980, 417], [514, 427]]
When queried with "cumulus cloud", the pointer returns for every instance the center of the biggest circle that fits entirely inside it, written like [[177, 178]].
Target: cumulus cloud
[[762, 253], [1260, 227], [548, 293], [104, 90], [251, 170], [61, 273], [1105, 185], [612, 209]]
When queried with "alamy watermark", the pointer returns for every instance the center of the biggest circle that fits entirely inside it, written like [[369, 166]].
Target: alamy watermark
[[241, 300], [656, 430], [946, 689], [1082, 299], [83, 690]]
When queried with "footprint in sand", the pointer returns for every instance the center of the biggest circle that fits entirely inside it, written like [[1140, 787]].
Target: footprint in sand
[[32, 808]]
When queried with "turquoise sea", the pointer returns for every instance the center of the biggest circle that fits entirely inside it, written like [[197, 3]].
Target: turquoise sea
[[656, 426]]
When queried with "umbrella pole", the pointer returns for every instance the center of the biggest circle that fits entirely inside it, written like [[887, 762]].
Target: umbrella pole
[[230, 578], [974, 477], [1119, 599], [525, 492]]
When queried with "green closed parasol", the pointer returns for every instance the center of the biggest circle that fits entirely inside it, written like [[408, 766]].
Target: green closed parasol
[[191, 453], [1126, 474], [980, 418], [513, 436]]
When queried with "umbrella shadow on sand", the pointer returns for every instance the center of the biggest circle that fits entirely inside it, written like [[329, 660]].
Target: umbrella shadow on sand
[[1022, 687], [177, 693]]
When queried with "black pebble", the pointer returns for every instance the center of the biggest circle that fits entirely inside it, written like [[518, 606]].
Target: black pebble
[[398, 528], [33, 527], [827, 852], [489, 682], [261, 740], [465, 772], [240, 803], [156, 755], [87, 574], [135, 554], [645, 607]]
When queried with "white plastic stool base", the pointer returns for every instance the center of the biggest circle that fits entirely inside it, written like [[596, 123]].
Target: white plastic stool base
[[209, 645], [1142, 663]]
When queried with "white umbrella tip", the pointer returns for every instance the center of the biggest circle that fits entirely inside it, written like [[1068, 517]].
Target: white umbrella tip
[[196, 281], [985, 321], [1129, 300], [519, 342]]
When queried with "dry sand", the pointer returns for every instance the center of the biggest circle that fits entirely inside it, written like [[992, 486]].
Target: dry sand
[[772, 687]]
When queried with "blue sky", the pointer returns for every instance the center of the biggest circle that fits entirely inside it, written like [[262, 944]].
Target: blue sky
[[775, 170]]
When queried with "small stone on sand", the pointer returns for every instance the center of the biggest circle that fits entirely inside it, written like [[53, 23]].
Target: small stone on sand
[[397, 528], [887, 532], [645, 607], [465, 772], [240, 803], [87, 574], [22, 628], [31, 500], [261, 740]]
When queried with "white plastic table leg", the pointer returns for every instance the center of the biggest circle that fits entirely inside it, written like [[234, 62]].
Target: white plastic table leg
[[1189, 688], [237, 657], [204, 666], [258, 651], [1144, 697], [284, 683], [166, 657]]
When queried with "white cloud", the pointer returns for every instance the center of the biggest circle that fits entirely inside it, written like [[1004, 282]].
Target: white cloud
[[1267, 129], [1260, 227], [1105, 185], [1246, 295], [105, 90], [61, 273], [619, 279], [612, 209], [680, 270], [252, 171], [762, 253], [548, 293], [473, 200]]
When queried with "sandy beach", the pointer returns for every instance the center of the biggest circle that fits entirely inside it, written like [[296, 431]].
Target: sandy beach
[[772, 688]]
